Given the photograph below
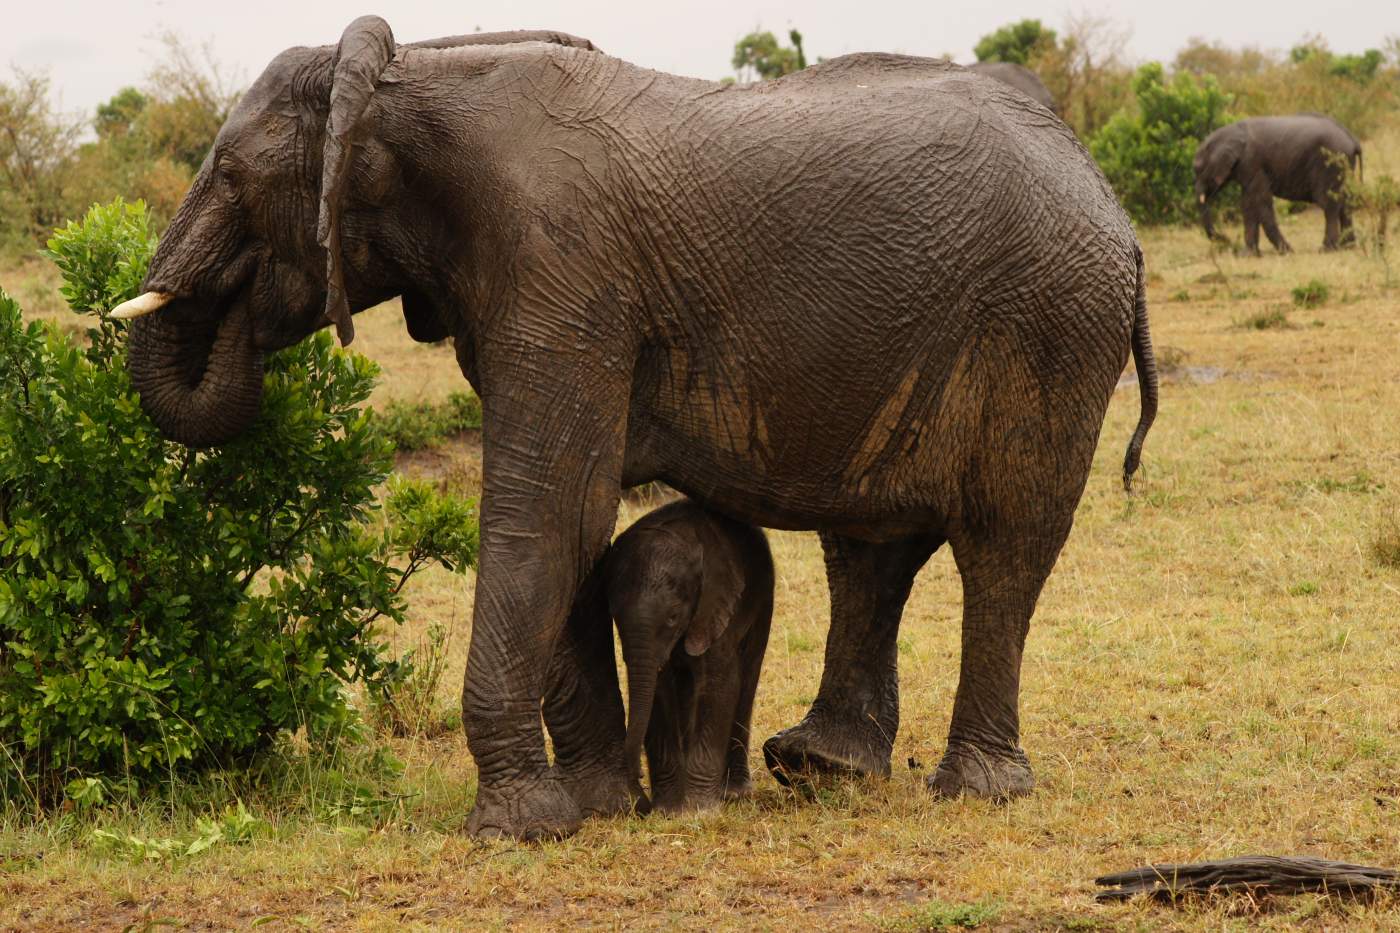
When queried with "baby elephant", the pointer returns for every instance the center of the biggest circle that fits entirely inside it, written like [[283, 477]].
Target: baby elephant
[[692, 593]]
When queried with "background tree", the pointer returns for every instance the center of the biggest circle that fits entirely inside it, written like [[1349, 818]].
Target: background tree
[[759, 55], [36, 144], [1083, 66], [1015, 42], [1147, 156]]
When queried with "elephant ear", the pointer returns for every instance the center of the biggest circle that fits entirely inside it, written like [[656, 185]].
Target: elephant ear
[[1223, 156], [721, 587], [365, 50]]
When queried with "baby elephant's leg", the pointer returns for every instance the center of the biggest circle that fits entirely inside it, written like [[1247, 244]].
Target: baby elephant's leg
[[666, 741], [719, 684]]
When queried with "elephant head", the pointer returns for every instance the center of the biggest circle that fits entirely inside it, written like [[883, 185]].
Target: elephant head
[[261, 252], [666, 585], [1214, 165]]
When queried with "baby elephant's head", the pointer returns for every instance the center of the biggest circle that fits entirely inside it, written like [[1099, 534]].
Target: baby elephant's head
[[667, 585]]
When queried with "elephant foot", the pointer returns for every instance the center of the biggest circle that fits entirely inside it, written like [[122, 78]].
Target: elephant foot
[[600, 792], [966, 769], [817, 747], [533, 810], [738, 790]]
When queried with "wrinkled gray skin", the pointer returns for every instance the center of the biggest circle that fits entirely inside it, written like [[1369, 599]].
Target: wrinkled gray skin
[[692, 594], [1278, 157], [881, 298], [1020, 77]]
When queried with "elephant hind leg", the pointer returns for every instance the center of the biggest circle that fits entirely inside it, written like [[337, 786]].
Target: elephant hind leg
[[851, 726], [1332, 235], [1002, 578]]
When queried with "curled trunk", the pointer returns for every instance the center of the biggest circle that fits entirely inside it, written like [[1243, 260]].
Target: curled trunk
[[200, 379]]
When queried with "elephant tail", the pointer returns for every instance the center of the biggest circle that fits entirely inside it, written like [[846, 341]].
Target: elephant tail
[[1146, 365]]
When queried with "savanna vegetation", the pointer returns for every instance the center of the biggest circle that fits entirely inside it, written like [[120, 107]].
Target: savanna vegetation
[[1211, 671]]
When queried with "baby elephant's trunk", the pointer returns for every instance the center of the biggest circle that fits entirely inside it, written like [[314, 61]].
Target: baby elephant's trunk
[[642, 671]]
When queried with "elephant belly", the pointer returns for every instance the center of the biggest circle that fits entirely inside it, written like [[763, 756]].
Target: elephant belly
[[832, 452]]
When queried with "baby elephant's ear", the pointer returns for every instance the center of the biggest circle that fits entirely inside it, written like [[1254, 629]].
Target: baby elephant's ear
[[721, 586]]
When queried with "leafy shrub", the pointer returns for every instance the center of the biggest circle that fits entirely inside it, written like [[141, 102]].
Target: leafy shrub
[[1312, 295], [166, 610], [415, 426], [1147, 156], [1376, 204]]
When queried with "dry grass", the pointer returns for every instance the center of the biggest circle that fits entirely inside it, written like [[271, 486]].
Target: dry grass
[[1212, 672]]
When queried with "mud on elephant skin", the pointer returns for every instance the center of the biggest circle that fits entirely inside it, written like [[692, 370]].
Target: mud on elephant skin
[[692, 595], [730, 290], [1299, 158]]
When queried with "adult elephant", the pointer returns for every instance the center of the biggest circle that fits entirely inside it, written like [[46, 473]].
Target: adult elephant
[[1020, 77], [880, 298], [1299, 158]]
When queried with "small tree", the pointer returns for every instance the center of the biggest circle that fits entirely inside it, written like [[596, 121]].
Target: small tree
[[759, 54], [1147, 156], [1015, 42], [1376, 204], [164, 610]]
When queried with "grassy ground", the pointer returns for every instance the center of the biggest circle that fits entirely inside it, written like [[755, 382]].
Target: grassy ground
[[1212, 672]]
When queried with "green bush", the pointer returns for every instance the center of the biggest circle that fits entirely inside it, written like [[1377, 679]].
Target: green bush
[[164, 610], [1147, 155], [414, 426], [1312, 295]]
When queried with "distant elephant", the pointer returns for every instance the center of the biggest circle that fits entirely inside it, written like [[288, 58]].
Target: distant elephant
[[1020, 77], [729, 289], [1286, 157], [692, 594]]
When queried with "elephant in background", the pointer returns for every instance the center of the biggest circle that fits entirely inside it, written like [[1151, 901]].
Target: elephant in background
[[1021, 78], [1298, 158], [692, 594], [730, 290]]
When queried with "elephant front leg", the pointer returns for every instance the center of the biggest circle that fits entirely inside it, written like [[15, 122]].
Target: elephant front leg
[[552, 466], [851, 726], [1272, 231]]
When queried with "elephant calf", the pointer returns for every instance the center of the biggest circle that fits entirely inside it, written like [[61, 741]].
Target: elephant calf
[[692, 594], [1299, 158]]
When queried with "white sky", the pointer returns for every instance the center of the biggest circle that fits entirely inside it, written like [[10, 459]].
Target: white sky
[[93, 47]]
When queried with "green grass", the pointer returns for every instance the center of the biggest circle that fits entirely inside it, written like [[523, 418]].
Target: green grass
[[937, 915], [1266, 319], [1211, 672]]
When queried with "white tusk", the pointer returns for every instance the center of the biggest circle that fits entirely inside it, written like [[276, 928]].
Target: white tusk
[[1203, 199], [141, 305]]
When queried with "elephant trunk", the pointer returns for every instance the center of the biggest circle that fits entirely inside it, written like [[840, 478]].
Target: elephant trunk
[[643, 670], [1205, 218], [200, 378]]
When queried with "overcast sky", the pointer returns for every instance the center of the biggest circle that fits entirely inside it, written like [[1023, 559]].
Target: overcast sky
[[93, 47]]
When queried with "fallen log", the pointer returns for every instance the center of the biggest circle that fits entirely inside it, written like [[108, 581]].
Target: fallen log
[[1251, 874]]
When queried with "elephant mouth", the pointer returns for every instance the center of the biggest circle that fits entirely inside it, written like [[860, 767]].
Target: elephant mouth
[[198, 370]]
